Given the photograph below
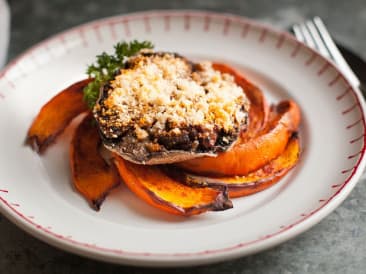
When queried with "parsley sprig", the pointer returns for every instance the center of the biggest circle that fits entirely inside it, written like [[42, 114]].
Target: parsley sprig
[[106, 65]]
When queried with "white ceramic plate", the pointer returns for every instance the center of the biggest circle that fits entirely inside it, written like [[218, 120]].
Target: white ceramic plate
[[36, 194]]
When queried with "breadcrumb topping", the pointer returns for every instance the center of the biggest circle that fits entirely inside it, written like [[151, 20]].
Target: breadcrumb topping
[[157, 93]]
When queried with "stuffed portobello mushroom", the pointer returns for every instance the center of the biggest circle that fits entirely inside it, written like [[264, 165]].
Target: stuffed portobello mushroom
[[162, 108]]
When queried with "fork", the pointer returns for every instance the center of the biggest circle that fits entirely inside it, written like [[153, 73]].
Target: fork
[[314, 34]]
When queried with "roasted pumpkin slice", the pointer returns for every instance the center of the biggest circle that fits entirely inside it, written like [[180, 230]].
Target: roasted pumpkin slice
[[255, 181], [152, 185], [92, 176], [248, 156], [55, 115], [259, 109]]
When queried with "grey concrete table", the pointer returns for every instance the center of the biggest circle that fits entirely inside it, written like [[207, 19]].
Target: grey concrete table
[[336, 245]]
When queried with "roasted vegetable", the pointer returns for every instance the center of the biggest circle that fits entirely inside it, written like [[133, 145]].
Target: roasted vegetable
[[92, 176], [54, 116], [247, 156], [153, 186], [252, 182]]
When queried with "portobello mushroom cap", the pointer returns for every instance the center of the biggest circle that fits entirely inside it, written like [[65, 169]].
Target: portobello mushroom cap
[[162, 108]]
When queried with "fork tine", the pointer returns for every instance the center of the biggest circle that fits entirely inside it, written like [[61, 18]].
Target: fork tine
[[298, 33], [319, 43], [308, 37], [334, 51], [315, 35]]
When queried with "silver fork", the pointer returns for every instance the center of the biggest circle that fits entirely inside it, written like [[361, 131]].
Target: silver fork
[[314, 34]]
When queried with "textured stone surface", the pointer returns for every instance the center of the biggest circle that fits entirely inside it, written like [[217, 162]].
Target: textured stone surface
[[335, 245]]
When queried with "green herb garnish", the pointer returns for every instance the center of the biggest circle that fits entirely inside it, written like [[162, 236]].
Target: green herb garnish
[[105, 67]]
